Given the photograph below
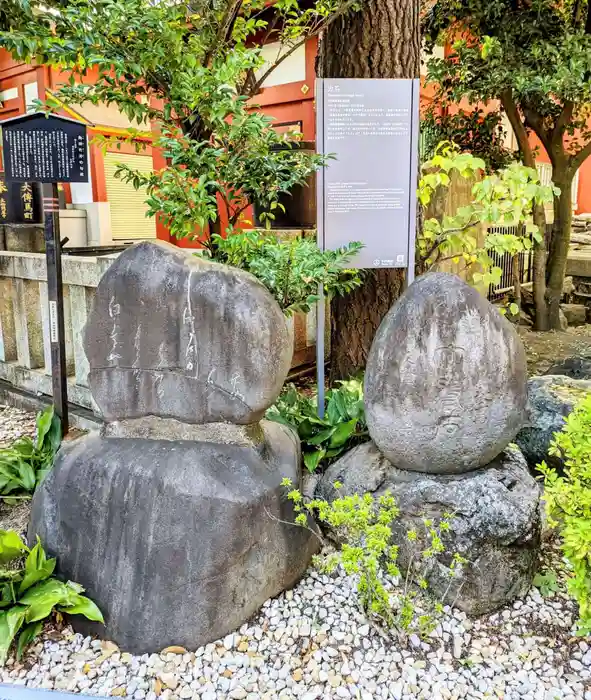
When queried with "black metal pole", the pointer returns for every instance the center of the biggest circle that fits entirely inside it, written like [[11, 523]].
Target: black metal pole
[[55, 294]]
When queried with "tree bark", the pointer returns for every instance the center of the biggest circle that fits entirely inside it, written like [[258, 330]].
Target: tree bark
[[542, 321], [380, 41], [559, 245]]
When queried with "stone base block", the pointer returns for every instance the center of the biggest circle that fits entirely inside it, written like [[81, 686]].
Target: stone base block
[[179, 543], [551, 400], [495, 526]]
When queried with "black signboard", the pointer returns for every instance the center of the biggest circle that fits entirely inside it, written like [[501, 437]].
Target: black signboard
[[39, 148], [20, 202], [42, 149]]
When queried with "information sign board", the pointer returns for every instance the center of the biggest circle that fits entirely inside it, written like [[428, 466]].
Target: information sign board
[[39, 148], [49, 149], [367, 193]]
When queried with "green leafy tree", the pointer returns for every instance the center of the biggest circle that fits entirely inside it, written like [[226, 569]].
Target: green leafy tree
[[189, 70], [504, 198], [534, 57], [475, 131]]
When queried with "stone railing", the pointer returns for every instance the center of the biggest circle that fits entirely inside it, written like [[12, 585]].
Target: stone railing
[[25, 360]]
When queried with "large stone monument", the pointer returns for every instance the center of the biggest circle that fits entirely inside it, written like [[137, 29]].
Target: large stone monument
[[445, 394], [174, 518]]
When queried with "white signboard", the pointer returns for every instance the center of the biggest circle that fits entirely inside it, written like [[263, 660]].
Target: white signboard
[[367, 193]]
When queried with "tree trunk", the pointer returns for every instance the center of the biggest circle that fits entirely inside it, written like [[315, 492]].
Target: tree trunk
[[542, 320], [515, 271], [380, 41], [559, 244]]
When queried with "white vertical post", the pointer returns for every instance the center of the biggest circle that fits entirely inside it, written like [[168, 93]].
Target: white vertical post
[[44, 300], [320, 307]]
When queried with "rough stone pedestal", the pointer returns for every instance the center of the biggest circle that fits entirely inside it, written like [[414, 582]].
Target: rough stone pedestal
[[178, 543], [495, 524], [551, 400]]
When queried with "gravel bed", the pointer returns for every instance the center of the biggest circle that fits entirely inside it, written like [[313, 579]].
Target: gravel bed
[[15, 423], [313, 642]]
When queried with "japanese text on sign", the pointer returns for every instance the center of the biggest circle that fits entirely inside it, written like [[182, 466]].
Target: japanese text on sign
[[367, 193], [20, 202], [40, 149]]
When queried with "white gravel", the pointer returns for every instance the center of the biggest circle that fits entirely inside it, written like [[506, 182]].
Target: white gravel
[[313, 642], [15, 423]]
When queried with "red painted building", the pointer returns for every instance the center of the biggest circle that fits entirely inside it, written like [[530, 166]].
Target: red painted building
[[114, 210]]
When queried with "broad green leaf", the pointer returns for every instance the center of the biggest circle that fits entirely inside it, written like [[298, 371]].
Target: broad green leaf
[[28, 634], [10, 623], [37, 567], [44, 420], [27, 475], [321, 437], [312, 459], [82, 605], [54, 436], [42, 598], [342, 433], [11, 546], [7, 592]]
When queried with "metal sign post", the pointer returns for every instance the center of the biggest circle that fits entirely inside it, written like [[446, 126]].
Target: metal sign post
[[368, 192], [49, 149], [55, 296]]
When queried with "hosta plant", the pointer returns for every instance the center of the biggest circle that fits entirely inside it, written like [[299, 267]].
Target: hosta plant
[[324, 439], [30, 594], [24, 464]]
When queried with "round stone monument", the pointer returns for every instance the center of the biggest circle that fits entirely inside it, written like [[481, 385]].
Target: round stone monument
[[445, 394], [446, 379], [173, 518]]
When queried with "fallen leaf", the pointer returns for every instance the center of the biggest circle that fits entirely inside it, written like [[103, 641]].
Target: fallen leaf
[[86, 668], [174, 650], [119, 692], [157, 686]]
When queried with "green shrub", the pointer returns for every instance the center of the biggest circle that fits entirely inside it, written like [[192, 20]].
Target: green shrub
[[363, 526], [24, 464], [29, 594], [323, 440], [568, 503], [292, 270]]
